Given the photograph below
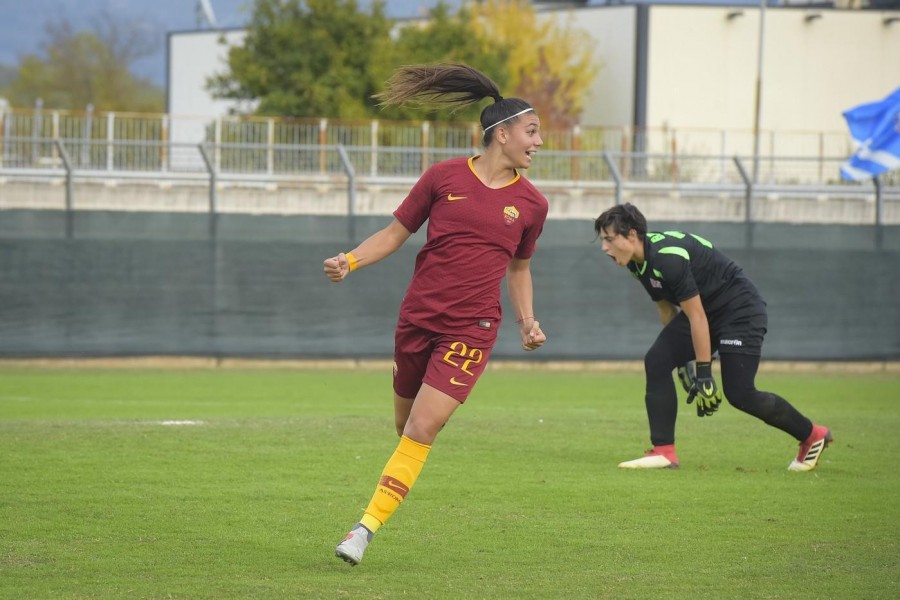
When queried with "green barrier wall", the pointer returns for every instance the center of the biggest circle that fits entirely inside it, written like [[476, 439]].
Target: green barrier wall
[[118, 284]]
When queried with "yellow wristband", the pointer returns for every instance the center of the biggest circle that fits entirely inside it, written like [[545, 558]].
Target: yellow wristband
[[351, 260]]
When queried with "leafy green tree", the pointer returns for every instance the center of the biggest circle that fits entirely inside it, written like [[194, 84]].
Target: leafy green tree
[[311, 58], [89, 67], [326, 58]]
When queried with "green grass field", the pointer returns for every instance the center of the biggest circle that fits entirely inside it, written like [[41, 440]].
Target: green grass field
[[520, 498]]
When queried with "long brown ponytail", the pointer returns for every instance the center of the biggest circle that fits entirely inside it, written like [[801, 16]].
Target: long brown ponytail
[[449, 84]]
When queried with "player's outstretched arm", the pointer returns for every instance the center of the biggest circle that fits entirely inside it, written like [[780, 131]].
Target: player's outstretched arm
[[376, 247]]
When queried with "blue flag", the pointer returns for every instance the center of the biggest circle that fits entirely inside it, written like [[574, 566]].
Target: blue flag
[[875, 129]]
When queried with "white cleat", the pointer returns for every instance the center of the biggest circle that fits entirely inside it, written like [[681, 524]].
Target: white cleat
[[353, 546], [651, 460]]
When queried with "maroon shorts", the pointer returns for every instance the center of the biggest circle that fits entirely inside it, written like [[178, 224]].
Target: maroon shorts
[[449, 363]]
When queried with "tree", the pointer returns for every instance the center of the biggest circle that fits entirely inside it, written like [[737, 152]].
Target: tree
[[310, 58], [89, 67], [550, 65], [326, 58]]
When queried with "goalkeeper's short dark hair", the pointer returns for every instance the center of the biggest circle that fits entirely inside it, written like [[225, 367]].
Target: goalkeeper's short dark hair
[[621, 219]]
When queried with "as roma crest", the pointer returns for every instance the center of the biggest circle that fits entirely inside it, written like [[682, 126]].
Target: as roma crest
[[510, 214]]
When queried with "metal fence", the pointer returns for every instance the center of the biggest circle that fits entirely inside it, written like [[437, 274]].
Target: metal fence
[[86, 146], [141, 142]]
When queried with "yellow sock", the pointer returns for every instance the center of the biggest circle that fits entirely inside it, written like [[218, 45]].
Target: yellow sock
[[399, 475]]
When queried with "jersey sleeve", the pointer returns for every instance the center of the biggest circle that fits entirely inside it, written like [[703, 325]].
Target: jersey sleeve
[[528, 245], [675, 270], [416, 207]]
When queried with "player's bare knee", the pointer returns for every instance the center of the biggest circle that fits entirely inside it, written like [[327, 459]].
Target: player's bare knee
[[424, 434]]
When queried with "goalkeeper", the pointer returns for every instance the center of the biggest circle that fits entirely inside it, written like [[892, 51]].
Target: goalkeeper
[[706, 303]]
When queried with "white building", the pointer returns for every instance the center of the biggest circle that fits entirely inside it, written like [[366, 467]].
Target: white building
[[192, 57]]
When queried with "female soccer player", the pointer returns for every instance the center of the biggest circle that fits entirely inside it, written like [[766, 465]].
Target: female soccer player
[[720, 309], [483, 223]]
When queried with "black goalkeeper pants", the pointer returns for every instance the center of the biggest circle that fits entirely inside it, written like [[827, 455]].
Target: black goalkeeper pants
[[673, 348]]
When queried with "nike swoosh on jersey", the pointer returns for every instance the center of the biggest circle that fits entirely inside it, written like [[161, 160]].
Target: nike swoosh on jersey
[[455, 382], [452, 198]]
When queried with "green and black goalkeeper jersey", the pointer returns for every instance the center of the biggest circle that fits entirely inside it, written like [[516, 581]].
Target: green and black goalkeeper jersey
[[678, 266]]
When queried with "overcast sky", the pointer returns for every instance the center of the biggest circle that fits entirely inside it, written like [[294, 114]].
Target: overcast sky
[[23, 22]]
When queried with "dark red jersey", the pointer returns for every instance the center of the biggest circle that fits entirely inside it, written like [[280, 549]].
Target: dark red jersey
[[473, 233]]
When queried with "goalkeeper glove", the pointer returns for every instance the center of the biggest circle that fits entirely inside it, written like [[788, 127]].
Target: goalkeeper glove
[[687, 374], [705, 391]]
